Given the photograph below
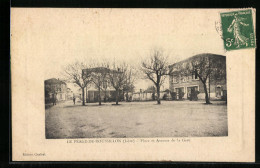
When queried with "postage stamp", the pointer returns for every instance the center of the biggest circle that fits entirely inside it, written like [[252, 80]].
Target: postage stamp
[[238, 30]]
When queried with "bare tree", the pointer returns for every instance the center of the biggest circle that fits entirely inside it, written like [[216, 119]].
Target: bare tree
[[117, 77], [156, 69], [73, 74], [99, 76], [207, 67], [105, 86], [131, 76]]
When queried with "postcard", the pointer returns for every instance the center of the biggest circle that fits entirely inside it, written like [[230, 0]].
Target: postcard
[[92, 84]]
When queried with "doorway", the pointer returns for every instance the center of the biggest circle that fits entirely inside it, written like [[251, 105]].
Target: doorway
[[179, 93], [192, 93]]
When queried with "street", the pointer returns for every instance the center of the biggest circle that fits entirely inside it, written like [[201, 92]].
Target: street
[[136, 119]]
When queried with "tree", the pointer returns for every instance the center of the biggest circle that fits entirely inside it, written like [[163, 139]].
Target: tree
[[156, 70], [99, 77], [129, 82], [105, 86], [117, 77], [73, 73], [206, 67]]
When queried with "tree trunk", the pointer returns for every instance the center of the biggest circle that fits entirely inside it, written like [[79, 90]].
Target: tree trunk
[[105, 98], [158, 95], [83, 96], [99, 96], [86, 95], [117, 95], [206, 93]]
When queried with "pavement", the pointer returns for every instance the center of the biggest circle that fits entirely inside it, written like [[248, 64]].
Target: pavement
[[137, 119]]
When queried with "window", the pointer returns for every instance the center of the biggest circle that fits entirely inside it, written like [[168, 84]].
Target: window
[[184, 79], [175, 80], [194, 77], [105, 84], [179, 90]]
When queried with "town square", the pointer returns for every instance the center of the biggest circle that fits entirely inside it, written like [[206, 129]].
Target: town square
[[137, 120], [109, 105]]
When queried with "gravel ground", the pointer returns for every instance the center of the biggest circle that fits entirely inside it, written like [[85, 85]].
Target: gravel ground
[[137, 119]]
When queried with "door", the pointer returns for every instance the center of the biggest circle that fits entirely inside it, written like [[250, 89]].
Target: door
[[191, 92], [179, 93]]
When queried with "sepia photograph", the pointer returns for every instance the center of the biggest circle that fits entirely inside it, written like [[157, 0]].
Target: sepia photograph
[[112, 78]]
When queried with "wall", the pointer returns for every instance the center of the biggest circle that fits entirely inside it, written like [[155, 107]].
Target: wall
[[144, 96], [92, 96]]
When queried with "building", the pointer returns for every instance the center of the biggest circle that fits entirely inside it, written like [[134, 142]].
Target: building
[[149, 95], [101, 84], [143, 96], [108, 95], [184, 81], [55, 88], [69, 94]]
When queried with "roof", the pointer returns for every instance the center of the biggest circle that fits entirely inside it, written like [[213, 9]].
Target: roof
[[97, 69], [54, 81], [197, 56], [102, 70]]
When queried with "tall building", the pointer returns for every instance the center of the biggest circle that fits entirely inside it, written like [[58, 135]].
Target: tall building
[[187, 77], [55, 88]]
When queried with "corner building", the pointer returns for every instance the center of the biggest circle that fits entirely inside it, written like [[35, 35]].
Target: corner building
[[187, 84]]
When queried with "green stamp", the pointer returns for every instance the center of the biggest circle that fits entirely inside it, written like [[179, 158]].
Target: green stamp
[[238, 30]]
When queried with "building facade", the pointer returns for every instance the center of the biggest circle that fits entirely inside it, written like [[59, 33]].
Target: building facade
[[106, 96], [184, 84], [69, 94], [101, 85], [55, 89]]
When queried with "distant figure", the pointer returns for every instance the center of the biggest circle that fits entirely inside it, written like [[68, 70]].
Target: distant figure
[[74, 99]]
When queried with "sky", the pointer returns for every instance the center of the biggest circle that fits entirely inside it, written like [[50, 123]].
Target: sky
[[124, 35]]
